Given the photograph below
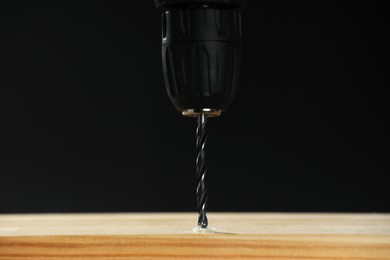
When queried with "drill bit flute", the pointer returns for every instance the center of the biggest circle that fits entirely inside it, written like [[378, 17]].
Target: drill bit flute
[[201, 170], [201, 56]]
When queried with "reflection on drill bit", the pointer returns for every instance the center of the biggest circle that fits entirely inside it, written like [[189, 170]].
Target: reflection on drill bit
[[201, 170]]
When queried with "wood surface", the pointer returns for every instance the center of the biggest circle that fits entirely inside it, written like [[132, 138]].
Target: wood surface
[[171, 236]]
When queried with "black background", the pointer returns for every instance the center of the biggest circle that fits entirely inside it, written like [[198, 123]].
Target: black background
[[86, 124]]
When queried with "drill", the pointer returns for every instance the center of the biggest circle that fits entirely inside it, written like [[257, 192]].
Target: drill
[[201, 58]]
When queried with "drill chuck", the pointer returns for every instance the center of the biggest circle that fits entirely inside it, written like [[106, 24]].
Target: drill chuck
[[201, 53]]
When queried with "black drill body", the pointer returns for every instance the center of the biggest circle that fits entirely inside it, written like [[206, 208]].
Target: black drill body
[[201, 52]]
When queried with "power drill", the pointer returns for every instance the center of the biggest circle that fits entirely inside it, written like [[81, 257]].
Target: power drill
[[201, 58]]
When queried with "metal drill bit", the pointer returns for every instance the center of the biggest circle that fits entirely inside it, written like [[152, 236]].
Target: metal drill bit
[[201, 170]]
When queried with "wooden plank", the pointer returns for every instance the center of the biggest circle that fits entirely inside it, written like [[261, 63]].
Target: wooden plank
[[170, 236]]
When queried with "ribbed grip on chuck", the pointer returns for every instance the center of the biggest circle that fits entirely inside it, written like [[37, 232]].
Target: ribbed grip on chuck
[[201, 54], [202, 74]]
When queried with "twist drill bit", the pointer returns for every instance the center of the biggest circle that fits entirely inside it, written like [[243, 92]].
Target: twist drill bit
[[201, 170]]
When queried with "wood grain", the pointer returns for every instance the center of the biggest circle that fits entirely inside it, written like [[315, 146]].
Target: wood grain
[[170, 236]]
